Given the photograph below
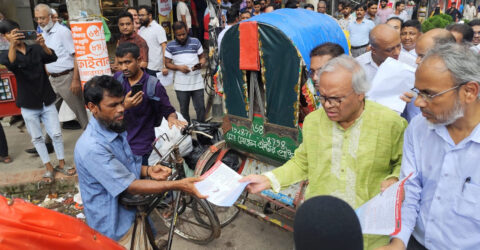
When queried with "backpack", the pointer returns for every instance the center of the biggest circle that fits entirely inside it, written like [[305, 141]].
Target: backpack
[[151, 85]]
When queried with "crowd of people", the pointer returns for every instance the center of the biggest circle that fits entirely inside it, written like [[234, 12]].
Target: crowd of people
[[353, 148]]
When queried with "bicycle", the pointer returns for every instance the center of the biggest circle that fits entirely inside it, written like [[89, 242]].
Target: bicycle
[[187, 216]]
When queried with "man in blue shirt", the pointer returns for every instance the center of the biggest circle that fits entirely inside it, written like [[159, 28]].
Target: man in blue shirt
[[441, 149], [141, 110], [107, 167], [359, 30]]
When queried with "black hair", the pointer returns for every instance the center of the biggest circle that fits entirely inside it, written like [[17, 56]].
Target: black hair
[[309, 5], [62, 8], [474, 22], [398, 4], [147, 8], [360, 6], [96, 87], [292, 4], [331, 49], [395, 18], [178, 26], [465, 30], [256, 2], [124, 48], [347, 5], [413, 23], [131, 8], [232, 15], [384, 1], [246, 11], [125, 14], [369, 4], [7, 25]]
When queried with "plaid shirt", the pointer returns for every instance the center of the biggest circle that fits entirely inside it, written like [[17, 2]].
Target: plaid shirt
[[138, 40]]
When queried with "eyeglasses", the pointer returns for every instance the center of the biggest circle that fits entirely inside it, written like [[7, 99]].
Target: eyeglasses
[[334, 101], [312, 72], [428, 97]]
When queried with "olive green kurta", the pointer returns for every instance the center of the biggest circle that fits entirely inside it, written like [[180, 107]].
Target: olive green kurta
[[349, 164]]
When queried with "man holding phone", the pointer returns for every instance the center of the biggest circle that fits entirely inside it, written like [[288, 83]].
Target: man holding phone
[[145, 99], [185, 56], [63, 73], [35, 95]]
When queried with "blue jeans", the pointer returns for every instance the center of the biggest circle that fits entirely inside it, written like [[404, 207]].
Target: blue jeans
[[47, 115]]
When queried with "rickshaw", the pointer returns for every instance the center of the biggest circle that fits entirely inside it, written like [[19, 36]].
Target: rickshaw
[[266, 92]]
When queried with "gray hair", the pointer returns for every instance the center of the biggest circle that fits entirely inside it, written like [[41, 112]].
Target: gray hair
[[359, 79], [42, 6], [460, 60], [321, 1]]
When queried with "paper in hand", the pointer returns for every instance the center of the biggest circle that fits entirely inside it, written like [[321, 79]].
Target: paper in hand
[[165, 80], [221, 185], [393, 78], [381, 214]]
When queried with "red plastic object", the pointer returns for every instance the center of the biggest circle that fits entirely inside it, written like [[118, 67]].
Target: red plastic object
[[27, 226], [8, 85]]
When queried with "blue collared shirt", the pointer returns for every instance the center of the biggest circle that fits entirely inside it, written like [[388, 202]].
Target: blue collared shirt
[[106, 167], [442, 199], [359, 31]]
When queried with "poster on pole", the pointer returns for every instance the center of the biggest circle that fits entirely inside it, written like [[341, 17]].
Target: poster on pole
[[90, 49]]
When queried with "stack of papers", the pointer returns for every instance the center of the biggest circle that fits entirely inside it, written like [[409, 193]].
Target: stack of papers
[[393, 78], [381, 214]]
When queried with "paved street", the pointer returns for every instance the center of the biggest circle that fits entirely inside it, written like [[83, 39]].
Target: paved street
[[246, 232]]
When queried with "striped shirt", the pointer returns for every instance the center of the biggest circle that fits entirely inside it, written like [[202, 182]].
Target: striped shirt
[[186, 55]]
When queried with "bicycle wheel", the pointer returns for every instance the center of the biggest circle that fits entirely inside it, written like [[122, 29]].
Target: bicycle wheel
[[234, 160], [188, 227]]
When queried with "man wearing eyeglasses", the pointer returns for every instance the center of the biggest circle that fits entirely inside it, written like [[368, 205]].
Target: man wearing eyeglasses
[[352, 147], [441, 148]]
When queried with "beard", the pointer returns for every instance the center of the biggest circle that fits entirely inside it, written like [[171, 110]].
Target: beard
[[144, 22], [182, 42], [115, 126], [450, 116], [48, 26]]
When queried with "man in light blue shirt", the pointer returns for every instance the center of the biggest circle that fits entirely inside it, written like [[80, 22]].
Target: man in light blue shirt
[[442, 150], [107, 167], [359, 30]]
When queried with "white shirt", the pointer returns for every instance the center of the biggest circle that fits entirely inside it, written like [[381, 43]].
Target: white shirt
[[469, 12], [154, 35], [186, 55], [182, 9], [220, 36], [371, 67], [411, 52], [59, 38], [403, 15]]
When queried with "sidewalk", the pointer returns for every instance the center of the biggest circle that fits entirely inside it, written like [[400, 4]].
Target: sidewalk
[[27, 168]]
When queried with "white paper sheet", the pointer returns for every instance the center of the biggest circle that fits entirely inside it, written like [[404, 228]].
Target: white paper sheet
[[381, 214], [393, 78], [165, 80], [221, 185]]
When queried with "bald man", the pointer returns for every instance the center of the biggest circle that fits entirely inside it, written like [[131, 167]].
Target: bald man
[[385, 42], [425, 43]]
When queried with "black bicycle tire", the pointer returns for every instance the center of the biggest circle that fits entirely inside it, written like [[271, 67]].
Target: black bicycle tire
[[228, 220], [214, 225]]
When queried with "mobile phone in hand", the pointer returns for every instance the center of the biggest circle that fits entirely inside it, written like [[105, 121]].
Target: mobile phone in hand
[[196, 66], [136, 88], [28, 34]]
